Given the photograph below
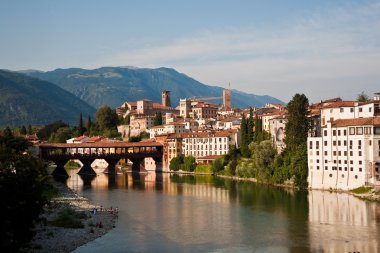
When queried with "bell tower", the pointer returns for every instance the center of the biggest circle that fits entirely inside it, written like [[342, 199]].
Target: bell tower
[[166, 98]]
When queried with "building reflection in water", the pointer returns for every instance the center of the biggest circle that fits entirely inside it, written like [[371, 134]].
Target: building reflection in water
[[339, 222]]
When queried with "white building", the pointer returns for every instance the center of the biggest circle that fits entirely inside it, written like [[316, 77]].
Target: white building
[[347, 155], [202, 143], [174, 127], [277, 131]]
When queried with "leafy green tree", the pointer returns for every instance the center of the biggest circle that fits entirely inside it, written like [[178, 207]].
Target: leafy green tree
[[189, 163], [362, 97], [23, 185], [7, 132], [298, 123], [106, 118], [61, 135], [176, 163], [158, 119], [217, 165], [45, 132]]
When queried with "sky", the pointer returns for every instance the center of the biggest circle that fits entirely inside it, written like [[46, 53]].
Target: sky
[[322, 48]]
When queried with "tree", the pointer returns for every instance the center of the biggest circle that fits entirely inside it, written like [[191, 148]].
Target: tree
[[89, 123], [176, 163], [106, 118], [30, 129], [189, 163], [45, 132], [250, 126], [362, 97], [61, 135], [23, 130], [81, 127], [244, 136], [298, 123], [23, 186], [7, 132], [158, 119]]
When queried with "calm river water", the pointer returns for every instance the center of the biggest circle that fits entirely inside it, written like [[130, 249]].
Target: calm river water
[[172, 213]]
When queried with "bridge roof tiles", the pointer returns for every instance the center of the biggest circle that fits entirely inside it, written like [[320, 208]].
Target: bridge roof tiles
[[101, 144]]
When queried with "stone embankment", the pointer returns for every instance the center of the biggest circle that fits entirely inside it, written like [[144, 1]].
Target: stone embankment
[[372, 195], [50, 238]]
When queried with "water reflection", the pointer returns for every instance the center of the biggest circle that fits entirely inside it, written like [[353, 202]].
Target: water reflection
[[185, 213], [339, 222]]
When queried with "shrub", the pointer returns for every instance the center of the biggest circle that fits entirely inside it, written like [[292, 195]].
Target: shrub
[[69, 218]]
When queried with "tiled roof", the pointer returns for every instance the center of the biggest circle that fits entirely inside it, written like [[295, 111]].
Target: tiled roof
[[225, 133], [372, 121]]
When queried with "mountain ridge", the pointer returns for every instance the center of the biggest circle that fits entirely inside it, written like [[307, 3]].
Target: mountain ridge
[[114, 85], [26, 100]]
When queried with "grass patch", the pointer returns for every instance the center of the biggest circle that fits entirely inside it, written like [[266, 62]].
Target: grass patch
[[204, 168], [361, 190], [72, 165], [69, 218]]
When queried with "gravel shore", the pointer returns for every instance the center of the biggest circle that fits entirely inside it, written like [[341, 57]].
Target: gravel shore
[[57, 239]]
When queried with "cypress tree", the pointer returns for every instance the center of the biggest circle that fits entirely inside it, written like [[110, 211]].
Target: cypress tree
[[23, 130], [297, 126], [81, 128], [158, 119], [89, 123], [250, 126]]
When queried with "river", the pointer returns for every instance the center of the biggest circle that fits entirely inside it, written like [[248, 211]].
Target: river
[[186, 213]]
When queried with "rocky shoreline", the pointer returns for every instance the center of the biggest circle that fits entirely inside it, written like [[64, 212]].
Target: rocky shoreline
[[50, 238]]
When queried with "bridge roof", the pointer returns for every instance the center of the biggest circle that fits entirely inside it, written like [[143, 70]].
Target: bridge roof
[[101, 144]]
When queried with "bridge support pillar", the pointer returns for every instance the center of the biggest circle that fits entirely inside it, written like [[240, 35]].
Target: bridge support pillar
[[136, 162], [86, 168], [111, 165], [60, 170], [159, 165]]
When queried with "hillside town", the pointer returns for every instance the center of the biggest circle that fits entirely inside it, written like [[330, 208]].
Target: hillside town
[[343, 142]]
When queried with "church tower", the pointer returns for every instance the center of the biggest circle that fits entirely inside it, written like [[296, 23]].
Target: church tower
[[166, 98]]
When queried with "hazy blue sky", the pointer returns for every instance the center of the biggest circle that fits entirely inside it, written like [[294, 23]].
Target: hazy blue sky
[[324, 48]]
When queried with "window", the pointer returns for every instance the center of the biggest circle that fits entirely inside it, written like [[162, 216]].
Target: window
[[360, 162], [351, 153], [351, 109], [334, 143], [344, 143], [341, 109], [326, 168], [325, 161], [334, 132], [339, 143], [351, 169], [310, 145], [338, 132], [376, 130], [317, 152], [317, 160], [345, 153], [359, 130], [370, 109], [360, 169], [334, 153], [317, 167], [360, 109], [325, 152], [360, 153], [351, 162], [352, 130], [359, 144], [325, 143], [344, 132], [325, 132]]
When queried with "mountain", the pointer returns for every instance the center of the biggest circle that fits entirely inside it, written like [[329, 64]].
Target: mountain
[[114, 85], [25, 100]]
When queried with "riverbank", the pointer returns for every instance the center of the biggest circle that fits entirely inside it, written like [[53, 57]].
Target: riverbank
[[50, 238]]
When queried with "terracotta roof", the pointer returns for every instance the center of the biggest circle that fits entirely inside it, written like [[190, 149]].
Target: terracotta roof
[[209, 157], [80, 138], [372, 121], [339, 104], [101, 144], [225, 133]]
